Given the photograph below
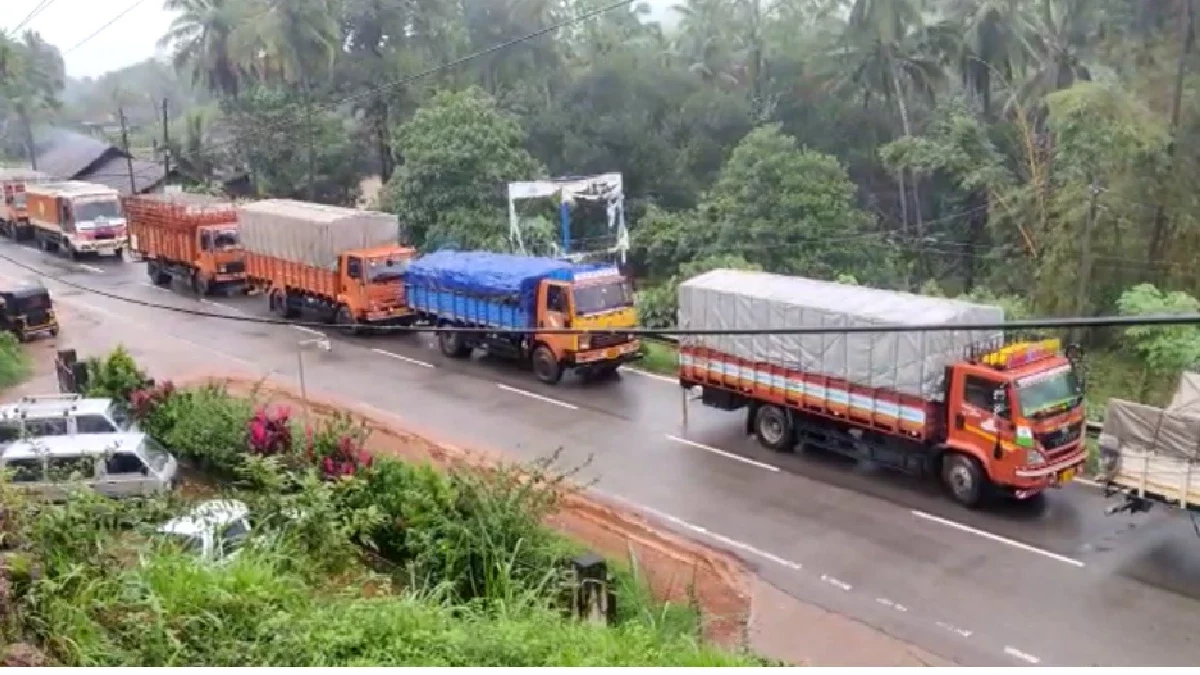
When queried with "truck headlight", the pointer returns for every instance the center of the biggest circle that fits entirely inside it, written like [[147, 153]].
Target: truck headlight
[[585, 342], [1033, 457]]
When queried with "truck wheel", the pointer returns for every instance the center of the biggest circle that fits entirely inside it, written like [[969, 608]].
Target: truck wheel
[[451, 344], [545, 366], [346, 321], [964, 478], [773, 427]]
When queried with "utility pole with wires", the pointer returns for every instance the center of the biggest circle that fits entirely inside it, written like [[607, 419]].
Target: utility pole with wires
[[1085, 254], [166, 140], [125, 146], [312, 149]]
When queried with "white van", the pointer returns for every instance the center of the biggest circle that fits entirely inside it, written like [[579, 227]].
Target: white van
[[63, 415], [117, 465]]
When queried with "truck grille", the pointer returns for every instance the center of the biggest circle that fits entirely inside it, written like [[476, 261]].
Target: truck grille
[[1056, 439], [608, 340], [235, 267]]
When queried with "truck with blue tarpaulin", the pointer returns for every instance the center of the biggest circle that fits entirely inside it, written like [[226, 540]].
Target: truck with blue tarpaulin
[[499, 291]]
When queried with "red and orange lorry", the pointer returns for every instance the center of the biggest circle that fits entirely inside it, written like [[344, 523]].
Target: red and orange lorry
[[343, 265], [76, 218], [490, 292], [188, 237], [983, 417], [14, 217]]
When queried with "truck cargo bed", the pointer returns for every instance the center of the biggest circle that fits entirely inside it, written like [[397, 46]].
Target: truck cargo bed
[[1154, 453], [295, 275], [467, 309]]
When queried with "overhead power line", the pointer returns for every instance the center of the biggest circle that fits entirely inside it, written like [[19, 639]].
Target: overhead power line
[[37, 9], [1044, 324], [105, 27]]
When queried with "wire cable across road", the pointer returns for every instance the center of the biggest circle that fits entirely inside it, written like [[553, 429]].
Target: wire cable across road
[[1048, 323]]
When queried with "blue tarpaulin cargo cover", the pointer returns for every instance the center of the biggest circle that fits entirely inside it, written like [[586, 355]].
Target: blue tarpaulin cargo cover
[[492, 289]]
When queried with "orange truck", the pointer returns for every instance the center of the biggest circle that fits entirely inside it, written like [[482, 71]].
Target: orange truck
[[187, 237], [986, 419], [76, 218], [14, 217], [345, 266]]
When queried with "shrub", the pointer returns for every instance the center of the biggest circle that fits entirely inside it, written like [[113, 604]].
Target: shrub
[[269, 432], [115, 376], [206, 426], [14, 364]]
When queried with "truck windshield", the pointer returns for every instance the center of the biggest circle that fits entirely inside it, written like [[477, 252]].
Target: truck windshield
[[605, 297], [88, 211], [224, 239], [1048, 392], [18, 200], [385, 270]]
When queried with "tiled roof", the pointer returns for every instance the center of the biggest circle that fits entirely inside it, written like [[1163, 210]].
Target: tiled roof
[[71, 154], [114, 173]]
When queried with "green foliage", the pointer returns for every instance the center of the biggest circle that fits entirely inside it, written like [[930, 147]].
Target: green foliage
[[115, 376], [14, 363], [206, 426], [459, 153], [1165, 350]]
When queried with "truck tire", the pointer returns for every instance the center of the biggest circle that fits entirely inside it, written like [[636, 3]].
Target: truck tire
[[774, 429], [546, 366], [964, 478], [346, 322], [277, 303], [156, 274], [452, 345]]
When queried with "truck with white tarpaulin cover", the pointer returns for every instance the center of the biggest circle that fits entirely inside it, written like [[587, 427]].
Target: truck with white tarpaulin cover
[[983, 416]]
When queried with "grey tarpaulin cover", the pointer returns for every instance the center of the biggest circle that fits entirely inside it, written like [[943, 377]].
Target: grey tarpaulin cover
[[313, 234], [1172, 432], [912, 363]]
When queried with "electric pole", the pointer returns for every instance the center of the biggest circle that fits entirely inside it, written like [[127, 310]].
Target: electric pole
[[166, 140], [125, 146], [1085, 253]]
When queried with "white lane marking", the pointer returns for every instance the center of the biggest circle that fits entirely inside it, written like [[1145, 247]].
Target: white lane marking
[[415, 362], [653, 376], [310, 331], [1018, 654], [1088, 482], [836, 582], [732, 543], [723, 453], [891, 603], [953, 629], [530, 394], [90, 268], [157, 288], [997, 538]]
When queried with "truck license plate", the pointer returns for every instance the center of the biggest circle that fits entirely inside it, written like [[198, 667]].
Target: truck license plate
[[612, 353], [1066, 476]]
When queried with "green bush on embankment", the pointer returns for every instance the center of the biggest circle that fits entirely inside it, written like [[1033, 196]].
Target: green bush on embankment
[[354, 562], [14, 363]]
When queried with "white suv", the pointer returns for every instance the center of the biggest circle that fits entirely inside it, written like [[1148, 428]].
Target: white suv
[[63, 415]]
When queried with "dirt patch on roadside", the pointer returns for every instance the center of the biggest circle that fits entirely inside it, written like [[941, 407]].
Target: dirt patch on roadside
[[677, 569]]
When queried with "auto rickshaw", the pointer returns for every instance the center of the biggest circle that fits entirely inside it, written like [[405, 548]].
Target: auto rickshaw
[[26, 310]]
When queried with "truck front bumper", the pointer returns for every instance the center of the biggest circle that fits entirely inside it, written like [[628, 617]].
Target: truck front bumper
[[1056, 473], [607, 356], [397, 316], [103, 246]]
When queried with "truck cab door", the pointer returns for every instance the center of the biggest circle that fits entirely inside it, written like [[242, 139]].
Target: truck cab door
[[352, 274], [555, 309], [981, 416]]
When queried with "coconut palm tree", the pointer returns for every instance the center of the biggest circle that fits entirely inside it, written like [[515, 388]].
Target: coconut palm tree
[[204, 40]]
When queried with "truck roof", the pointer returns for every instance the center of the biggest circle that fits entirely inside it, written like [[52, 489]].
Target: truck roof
[[308, 211], [183, 199], [69, 188], [8, 173]]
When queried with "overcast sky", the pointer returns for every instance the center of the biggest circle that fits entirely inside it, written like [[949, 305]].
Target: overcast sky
[[130, 39]]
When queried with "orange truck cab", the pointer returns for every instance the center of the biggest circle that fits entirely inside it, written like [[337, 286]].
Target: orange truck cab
[[345, 266], [77, 218], [489, 292], [14, 216], [191, 238], [985, 419]]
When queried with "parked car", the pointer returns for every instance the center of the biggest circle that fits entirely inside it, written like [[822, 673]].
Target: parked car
[[129, 464], [63, 415], [215, 530]]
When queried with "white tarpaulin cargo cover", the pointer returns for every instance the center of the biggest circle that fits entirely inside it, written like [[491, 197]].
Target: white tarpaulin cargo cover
[[1187, 397], [912, 363], [313, 234]]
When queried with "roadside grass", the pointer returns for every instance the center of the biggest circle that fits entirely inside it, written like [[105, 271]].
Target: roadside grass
[[15, 365], [659, 357]]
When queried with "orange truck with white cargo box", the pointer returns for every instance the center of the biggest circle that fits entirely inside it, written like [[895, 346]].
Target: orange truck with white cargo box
[[14, 217], [76, 218], [188, 237], [985, 418], [346, 266]]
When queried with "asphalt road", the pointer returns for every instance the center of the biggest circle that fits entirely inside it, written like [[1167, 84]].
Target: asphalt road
[[1062, 585]]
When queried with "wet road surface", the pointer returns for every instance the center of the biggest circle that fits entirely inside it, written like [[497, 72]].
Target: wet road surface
[[1060, 585]]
